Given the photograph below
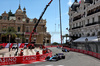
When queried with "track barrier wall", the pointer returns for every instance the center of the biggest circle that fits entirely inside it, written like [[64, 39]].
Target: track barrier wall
[[23, 59], [97, 55]]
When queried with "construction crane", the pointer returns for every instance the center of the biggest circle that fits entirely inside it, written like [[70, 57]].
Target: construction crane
[[38, 21]]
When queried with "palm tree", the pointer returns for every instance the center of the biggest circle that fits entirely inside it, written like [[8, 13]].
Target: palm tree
[[10, 31]]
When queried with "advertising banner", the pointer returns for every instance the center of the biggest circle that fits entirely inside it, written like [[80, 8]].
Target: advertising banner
[[23, 59]]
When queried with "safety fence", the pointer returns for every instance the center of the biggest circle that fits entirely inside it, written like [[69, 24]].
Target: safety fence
[[97, 55], [23, 59], [7, 45]]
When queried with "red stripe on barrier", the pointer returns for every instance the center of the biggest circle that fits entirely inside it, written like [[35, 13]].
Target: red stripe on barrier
[[22, 45], [11, 45], [3, 44], [99, 56]]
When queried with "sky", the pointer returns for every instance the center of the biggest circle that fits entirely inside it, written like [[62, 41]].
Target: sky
[[34, 8]]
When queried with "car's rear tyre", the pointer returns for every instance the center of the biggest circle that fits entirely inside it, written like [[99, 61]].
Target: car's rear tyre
[[63, 57], [56, 59], [47, 58]]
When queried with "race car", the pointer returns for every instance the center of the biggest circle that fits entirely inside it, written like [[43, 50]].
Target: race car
[[56, 57], [60, 55], [65, 50], [59, 47]]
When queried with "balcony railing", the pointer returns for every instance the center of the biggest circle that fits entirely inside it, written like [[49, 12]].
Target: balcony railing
[[93, 11], [94, 23], [77, 17], [28, 33], [77, 27]]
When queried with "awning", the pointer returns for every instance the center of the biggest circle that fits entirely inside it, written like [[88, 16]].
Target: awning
[[90, 39]]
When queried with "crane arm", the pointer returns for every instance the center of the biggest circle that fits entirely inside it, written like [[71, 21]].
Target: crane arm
[[39, 20]]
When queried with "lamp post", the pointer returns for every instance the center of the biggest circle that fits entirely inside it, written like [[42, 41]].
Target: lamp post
[[98, 38], [97, 44], [9, 42], [86, 43], [17, 40], [44, 41]]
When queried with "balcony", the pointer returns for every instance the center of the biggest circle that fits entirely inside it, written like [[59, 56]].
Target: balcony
[[93, 11], [77, 17], [92, 23], [77, 27], [28, 33]]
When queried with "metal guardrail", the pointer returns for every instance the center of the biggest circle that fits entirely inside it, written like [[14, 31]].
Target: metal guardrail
[[89, 46]]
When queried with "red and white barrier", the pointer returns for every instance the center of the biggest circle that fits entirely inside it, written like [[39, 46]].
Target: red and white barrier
[[23, 59], [6, 45], [97, 55]]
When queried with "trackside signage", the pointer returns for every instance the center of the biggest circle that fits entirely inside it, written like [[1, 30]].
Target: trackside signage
[[23, 59], [10, 60], [28, 58]]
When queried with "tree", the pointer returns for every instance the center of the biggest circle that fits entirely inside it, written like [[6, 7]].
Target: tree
[[66, 35], [10, 31], [55, 43]]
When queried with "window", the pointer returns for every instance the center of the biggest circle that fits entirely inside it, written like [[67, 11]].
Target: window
[[80, 23], [27, 21], [4, 28], [47, 41], [18, 29], [76, 24], [99, 18], [26, 40], [4, 17], [88, 34], [34, 21], [73, 25], [27, 29], [93, 20], [70, 26], [18, 18], [84, 7], [88, 21]]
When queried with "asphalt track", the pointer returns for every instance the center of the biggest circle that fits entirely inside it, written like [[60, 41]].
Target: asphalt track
[[72, 59]]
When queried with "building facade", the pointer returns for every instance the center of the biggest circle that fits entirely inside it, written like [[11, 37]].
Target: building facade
[[84, 19], [24, 26]]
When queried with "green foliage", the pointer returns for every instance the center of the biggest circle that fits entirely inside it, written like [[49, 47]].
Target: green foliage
[[10, 31], [0, 17], [10, 13], [4, 29], [55, 43]]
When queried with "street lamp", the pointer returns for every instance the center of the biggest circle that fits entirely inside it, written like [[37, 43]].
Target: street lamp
[[98, 43], [9, 42], [98, 38], [44, 41], [17, 40], [86, 43]]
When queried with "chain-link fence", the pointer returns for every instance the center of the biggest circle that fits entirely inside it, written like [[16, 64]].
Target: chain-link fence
[[89, 46]]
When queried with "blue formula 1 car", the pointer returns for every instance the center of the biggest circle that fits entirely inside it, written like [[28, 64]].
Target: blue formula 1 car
[[56, 57], [65, 50]]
